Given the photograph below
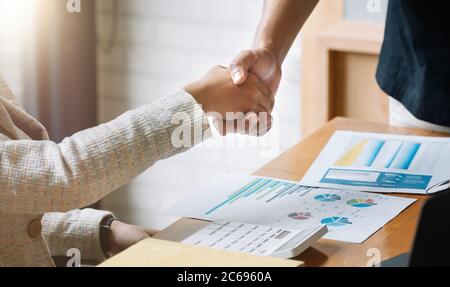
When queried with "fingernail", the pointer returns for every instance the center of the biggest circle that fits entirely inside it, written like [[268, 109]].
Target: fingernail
[[237, 76]]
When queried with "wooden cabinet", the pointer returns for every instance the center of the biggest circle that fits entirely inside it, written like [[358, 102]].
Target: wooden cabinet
[[340, 58]]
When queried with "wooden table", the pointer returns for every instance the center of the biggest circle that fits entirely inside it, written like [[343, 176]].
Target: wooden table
[[392, 240]]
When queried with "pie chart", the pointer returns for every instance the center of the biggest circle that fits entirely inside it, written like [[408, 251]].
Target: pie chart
[[336, 221], [300, 215], [327, 197], [361, 203]]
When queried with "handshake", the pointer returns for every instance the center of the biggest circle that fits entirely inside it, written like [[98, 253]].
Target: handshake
[[240, 99]]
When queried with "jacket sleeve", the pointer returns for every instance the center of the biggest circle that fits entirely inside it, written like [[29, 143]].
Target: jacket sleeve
[[37, 177], [78, 229]]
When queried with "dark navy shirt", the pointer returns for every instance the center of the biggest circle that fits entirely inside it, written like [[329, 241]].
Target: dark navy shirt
[[414, 63]]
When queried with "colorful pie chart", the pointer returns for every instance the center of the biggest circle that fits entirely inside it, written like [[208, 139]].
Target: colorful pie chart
[[327, 197], [361, 203], [300, 215], [336, 221]]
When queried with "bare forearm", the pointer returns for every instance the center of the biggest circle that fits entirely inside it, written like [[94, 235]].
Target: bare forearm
[[282, 20]]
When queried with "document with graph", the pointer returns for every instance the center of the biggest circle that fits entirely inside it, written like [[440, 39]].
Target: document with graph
[[350, 216], [382, 163]]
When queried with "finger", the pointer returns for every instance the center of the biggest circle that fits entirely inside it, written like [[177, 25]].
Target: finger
[[266, 102], [253, 125], [265, 89], [261, 109], [235, 127], [251, 121], [265, 97], [264, 130], [225, 127], [240, 65], [241, 126], [221, 127], [263, 126], [151, 232]]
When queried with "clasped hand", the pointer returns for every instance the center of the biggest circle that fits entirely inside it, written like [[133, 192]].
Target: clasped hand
[[244, 107], [247, 88]]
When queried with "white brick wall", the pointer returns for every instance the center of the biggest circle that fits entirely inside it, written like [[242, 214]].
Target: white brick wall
[[161, 46]]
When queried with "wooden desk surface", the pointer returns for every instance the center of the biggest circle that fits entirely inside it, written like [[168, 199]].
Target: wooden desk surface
[[392, 240]]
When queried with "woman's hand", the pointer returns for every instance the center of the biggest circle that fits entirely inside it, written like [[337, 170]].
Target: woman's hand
[[123, 236], [217, 93]]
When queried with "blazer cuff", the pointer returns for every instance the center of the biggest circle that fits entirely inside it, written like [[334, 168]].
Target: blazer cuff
[[78, 229]]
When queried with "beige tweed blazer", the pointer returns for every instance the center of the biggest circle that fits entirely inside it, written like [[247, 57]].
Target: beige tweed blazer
[[43, 184]]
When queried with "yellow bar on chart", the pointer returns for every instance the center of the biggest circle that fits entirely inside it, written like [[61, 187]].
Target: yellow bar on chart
[[352, 155]]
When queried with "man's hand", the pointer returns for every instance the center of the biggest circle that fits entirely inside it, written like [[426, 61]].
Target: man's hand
[[279, 26], [260, 62], [125, 235], [263, 64]]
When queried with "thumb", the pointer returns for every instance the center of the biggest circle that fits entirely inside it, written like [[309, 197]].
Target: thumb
[[240, 65]]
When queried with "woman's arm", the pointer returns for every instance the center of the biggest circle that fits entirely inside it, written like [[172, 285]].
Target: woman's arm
[[82, 230], [78, 229], [42, 176]]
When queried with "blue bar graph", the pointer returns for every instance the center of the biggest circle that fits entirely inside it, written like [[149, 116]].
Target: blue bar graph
[[261, 189], [378, 145], [367, 152], [282, 192], [235, 195], [405, 156]]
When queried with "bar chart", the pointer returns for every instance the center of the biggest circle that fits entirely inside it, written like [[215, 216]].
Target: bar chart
[[379, 154], [263, 189], [350, 216]]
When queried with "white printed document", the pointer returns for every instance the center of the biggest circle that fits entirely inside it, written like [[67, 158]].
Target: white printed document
[[256, 239], [349, 215], [382, 163]]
